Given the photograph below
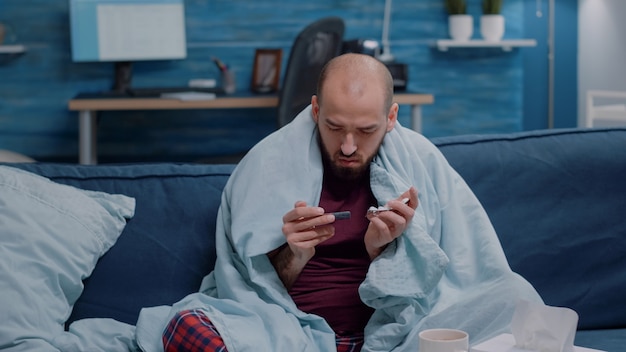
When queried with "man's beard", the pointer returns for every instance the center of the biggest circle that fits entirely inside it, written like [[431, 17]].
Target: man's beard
[[345, 173]]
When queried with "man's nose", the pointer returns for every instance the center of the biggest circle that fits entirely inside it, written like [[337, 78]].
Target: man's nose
[[348, 147]]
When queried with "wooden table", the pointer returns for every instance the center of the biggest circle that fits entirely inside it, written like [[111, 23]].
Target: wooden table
[[88, 106]]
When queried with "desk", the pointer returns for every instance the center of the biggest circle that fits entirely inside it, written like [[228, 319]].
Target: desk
[[88, 105]]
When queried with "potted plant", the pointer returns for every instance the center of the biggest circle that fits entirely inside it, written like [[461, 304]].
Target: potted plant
[[491, 21], [460, 24]]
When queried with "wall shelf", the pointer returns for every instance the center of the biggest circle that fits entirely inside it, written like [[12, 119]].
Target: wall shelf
[[12, 49], [506, 45]]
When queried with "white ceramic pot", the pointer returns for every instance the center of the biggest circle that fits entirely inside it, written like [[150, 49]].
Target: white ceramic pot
[[492, 27], [461, 27]]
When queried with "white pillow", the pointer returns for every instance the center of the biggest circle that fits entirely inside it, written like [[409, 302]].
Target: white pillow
[[51, 237], [7, 156]]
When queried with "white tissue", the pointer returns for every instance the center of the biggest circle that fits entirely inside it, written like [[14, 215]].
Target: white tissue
[[542, 328]]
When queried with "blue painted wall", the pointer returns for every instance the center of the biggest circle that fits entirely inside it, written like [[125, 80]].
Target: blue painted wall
[[538, 112], [476, 90], [566, 64], [536, 66]]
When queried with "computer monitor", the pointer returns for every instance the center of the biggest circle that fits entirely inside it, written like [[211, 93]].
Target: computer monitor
[[125, 31]]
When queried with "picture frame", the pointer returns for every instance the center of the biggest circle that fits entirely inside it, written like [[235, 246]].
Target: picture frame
[[266, 70]]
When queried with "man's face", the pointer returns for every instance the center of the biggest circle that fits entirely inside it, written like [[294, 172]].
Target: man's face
[[351, 129], [347, 167]]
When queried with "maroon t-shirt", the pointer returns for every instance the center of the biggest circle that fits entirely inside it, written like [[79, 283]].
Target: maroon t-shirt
[[328, 285]]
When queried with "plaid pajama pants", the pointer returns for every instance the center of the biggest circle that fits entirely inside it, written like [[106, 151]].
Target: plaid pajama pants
[[191, 330]]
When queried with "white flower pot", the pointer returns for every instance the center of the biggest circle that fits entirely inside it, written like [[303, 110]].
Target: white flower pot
[[460, 27], [492, 27]]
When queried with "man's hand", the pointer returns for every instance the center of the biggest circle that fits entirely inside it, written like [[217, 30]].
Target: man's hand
[[388, 225], [304, 228]]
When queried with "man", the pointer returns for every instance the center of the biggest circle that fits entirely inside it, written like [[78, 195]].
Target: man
[[318, 283]]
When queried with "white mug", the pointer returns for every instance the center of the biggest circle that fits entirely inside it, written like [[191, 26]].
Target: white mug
[[443, 340]]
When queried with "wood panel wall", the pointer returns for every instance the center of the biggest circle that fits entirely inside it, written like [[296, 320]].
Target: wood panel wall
[[476, 90]]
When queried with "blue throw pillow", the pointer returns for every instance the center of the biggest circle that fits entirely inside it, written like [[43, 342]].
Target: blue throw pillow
[[51, 237]]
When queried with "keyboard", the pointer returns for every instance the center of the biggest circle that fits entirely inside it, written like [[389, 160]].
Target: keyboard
[[156, 92]]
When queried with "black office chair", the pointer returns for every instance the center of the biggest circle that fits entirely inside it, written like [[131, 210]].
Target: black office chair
[[314, 46]]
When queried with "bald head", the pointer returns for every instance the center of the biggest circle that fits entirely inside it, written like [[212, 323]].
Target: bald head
[[352, 74]]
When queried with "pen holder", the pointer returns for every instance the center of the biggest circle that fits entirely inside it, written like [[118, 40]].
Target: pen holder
[[7, 35], [228, 81]]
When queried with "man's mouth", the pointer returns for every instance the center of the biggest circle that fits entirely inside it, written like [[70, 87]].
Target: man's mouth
[[347, 162]]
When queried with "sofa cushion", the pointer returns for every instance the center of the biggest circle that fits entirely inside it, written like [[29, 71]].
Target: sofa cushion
[[557, 200], [168, 246], [604, 339], [51, 238]]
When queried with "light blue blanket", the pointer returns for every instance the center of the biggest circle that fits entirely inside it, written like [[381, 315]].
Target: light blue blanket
[[446, 270]]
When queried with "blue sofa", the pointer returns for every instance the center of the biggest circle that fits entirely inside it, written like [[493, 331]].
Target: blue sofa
[[557, 199]]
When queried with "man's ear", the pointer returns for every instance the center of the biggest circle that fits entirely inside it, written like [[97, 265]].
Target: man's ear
[[392, 117], [315, 109]]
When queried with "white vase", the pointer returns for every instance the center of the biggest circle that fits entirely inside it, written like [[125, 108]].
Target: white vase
[[461, 27], [492, 27]]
